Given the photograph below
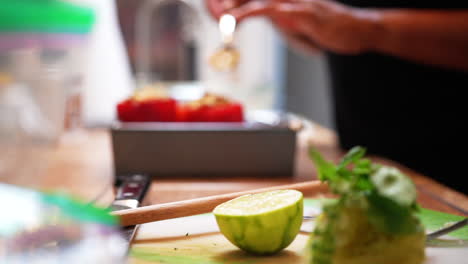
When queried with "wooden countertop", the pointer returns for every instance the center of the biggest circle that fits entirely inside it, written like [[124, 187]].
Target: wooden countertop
[[82, 165]]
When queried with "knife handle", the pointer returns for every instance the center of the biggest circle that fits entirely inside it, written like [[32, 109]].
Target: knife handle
[[195, 206], [133, 187]]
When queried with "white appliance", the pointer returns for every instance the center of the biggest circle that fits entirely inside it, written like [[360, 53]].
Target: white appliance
[[107, 78]]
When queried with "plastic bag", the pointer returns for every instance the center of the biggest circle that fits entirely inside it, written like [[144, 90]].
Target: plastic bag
[[53, 228]]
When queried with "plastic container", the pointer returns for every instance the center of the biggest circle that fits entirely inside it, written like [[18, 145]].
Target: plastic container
[[53, 228], [42, 47]]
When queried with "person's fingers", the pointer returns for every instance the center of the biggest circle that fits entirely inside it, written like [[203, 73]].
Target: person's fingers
[[253, 8], [280, 8], [286, 23], [214, 7], [314, 12], [309, 19], [219, 7], [298, 41]]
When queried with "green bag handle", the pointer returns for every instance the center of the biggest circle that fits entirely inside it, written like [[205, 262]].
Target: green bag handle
[[44, 16]]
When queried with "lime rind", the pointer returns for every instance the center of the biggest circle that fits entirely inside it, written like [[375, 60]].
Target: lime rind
[[256, 204], [266, 230], [391, 183]]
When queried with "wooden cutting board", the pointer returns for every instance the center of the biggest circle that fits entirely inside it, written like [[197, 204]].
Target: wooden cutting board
[[196, 239]]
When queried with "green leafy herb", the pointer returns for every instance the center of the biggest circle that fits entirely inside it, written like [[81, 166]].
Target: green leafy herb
[[390, 216], [388, 195], [354, 155], [326, 171]]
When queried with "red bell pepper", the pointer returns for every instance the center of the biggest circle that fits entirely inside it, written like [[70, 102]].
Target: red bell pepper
[[147, 110], [211, 109], [149, 106]]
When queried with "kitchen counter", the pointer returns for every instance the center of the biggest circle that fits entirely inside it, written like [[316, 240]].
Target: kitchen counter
[[82, 165]]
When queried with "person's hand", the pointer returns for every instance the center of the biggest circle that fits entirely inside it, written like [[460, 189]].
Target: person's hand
[[324, 23], [299, 42], [220, 7]]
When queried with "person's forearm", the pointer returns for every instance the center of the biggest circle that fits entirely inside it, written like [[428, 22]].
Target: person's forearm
[[431, 37]]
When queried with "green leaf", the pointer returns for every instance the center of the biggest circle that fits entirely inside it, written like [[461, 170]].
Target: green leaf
[[326, 171], [363, 183], [341, 179], [363, 167], [390, 216], [353, 155], [434, 220]]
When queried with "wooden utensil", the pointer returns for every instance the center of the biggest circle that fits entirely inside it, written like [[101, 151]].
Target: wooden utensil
[[164, 211]]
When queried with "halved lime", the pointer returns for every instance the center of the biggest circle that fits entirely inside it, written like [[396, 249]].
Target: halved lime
[[262, 223]]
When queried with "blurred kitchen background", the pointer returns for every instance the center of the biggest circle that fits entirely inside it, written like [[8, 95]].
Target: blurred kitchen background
[[182, 37], [65, 65]]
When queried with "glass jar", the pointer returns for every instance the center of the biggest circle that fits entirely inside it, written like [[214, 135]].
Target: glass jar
[[41, 48]]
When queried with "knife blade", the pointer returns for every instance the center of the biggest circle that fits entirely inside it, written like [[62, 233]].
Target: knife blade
[[131, 190]]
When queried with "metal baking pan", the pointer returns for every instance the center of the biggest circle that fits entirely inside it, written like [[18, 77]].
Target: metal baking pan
[[263, 146]]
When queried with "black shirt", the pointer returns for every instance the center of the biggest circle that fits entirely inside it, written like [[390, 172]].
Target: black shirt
[[411, 113]]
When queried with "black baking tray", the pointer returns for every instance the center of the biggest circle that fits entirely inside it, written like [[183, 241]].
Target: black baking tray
[[259, 147]]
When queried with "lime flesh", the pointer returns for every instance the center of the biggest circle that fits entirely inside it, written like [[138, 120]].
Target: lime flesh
[[262, 223]]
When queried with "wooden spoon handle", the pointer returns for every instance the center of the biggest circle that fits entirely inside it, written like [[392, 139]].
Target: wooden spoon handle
[[164, 211]]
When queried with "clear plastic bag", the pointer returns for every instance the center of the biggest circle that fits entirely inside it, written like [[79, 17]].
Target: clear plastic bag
[[52, 228]]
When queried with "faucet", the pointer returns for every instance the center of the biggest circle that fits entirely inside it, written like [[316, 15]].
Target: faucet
[[143, 37]]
